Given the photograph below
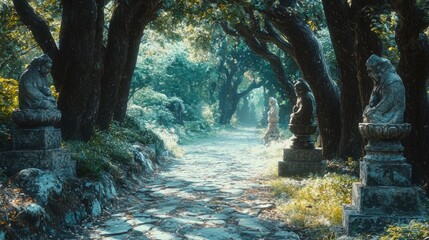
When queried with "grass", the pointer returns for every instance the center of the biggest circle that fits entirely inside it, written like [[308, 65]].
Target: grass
[[315, 201]]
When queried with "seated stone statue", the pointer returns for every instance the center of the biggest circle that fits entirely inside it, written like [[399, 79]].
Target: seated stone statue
[[37, 106], [387, 101], [304, 110]]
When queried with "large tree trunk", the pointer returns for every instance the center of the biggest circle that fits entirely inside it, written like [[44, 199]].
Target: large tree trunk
[[309, 57], [138, 24], [75, 64], [367, 43], [115, 59], [414, 70], [341, 31]]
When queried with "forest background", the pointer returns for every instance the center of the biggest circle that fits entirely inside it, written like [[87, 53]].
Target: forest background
[[203, 62]]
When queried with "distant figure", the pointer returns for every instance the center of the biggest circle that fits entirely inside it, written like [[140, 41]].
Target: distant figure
[[387, 101], [304, 110], [37, 106], [273, 131]]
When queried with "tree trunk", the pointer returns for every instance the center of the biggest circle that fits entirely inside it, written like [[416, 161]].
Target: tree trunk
[[75, 64], [414, 70], [342, 36], [138, 24], [114, 63], [366, 44], [309, 57]]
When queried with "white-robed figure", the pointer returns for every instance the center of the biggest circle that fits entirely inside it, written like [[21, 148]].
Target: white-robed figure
[[273, 131]]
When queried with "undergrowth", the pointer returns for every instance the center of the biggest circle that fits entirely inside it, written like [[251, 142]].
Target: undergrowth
[[413, 230], [110, 150], [315, 202]]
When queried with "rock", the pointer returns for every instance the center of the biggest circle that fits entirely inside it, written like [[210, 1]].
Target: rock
[[287, 235], [95, 208], [39, 184], [252, 224], [115, 227], [34, 214], [211, 233], [108, 189]]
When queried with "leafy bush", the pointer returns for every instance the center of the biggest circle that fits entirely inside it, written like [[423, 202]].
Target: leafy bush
[[413, 230], [110, 151], [151, 106], [8, 102], [316, 201]]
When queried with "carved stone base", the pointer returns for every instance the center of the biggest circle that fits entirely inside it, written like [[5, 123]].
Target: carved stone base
[[56, 160], [384, 194], [357, 223], [37, 138], [300, 162]]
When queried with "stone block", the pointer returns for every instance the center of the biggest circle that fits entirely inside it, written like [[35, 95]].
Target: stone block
[[302, 155], [37, 138], [300, 162], [386, 200], [56, 160], [357, 223], [387, 174]]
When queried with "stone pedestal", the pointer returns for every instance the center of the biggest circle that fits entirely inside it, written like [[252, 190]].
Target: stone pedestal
[[385, 194], [301, 138], [38, 148], [300, 162]]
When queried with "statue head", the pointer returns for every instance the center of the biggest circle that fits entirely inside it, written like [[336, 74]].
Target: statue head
[[42, 64], [301, 87], [272, 101], [376, 66]]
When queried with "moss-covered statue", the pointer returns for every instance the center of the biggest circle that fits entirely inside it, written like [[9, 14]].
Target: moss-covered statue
[[37, 106], [387, 102]]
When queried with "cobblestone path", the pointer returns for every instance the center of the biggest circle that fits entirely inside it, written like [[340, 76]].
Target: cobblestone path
[[204, 195]]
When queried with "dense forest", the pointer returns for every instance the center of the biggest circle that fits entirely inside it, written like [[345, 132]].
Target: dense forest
[[223, 59], [134, 79]]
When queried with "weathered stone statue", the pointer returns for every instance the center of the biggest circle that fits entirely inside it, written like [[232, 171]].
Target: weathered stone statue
[[304, 110], [273, 131], [387, 102], [301, 157], [301, 122], [37, 106], [384, 194], [36, 141]]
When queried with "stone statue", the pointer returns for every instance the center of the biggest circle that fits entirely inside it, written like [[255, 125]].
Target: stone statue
[[387, 102], [37, 106], [273, 131], [304, 110]]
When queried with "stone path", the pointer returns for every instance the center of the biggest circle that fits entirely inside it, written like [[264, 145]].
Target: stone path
[[201, 196]]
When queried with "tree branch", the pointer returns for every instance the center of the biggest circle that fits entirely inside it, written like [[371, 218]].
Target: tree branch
[[38, 27]]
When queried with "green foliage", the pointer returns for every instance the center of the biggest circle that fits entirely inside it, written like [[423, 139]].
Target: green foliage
[[8, 102], [151, 106], [110, 151], [316, 201], [383, 23], [413, 230]]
